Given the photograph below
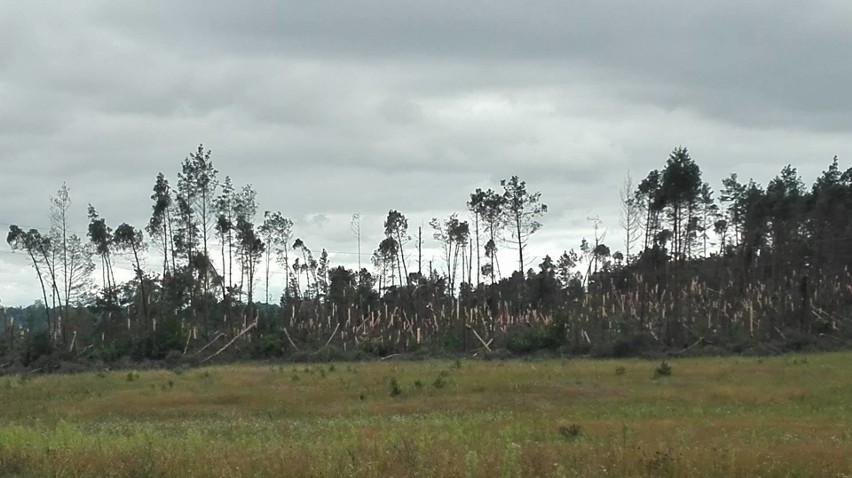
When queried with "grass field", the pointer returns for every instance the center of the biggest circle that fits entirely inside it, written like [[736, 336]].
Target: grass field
[[725, 417]]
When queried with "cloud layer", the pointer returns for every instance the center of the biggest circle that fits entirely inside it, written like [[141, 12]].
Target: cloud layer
[[330, 108]]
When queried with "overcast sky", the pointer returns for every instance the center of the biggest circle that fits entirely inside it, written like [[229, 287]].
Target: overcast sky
[[333, 108]]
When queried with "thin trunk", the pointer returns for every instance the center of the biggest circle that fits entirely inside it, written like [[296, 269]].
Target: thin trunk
[[402, 257], [493, 251], [65, 274], [419, 251], [287, 270], [171, 240], [43, 292], [470, 264], [141, 278], [230, 254], [268, 257], [520, 245], [478, 264]]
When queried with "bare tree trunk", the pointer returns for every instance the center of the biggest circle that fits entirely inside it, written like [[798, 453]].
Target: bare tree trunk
[[478, 264]]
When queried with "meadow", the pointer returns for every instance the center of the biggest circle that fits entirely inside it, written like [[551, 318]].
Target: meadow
[[725, 417]]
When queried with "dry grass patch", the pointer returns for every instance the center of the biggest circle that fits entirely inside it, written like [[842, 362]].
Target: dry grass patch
[[781, 416]]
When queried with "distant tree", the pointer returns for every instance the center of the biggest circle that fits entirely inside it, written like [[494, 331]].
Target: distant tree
[[251, 252], [565, 266], [128, 238], [197, 184], [785, 197], [489, 206], [72, 258], [709, 212], [522, 211], [631, 219], [593, 253], [341, 287], [37, 248], [160, 222], [679, 193], [355, 226], [475, 206], [648, 197], [245, 210], [733, 196], [386, 255], [601, 253], [396, 227], [322, 275], [225, 224], [453, 236], [307, 266], [100, 236], [828, 219], [276, 232]]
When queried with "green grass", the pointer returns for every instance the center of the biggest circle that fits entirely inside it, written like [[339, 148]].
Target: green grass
[[779, 416]]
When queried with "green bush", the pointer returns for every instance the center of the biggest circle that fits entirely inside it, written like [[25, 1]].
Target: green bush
[[570, 432], [523, 339], [664, 370], [168, 337], [395, 389], [375, 346], [38, 345], [270, 345]]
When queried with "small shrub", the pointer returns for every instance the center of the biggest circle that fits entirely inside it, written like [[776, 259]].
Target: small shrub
[[570, 432], [375, 347], [172, 358], [180, 369], [661, 463], [395, 390], [418, 384], [822, 326], [522, 339], [620, 370], [441, 381], [39, 345], [664, 370], [132, 376]]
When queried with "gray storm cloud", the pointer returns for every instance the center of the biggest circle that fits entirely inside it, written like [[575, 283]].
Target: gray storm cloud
[[330, 108]]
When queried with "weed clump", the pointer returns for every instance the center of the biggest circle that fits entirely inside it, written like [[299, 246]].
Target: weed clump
[[664, 370], [570, 432], [132, 375], [441, 381], [620, 370], [395, 389]]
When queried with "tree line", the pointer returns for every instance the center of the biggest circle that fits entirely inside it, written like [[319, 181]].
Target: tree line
[[756, 267]]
